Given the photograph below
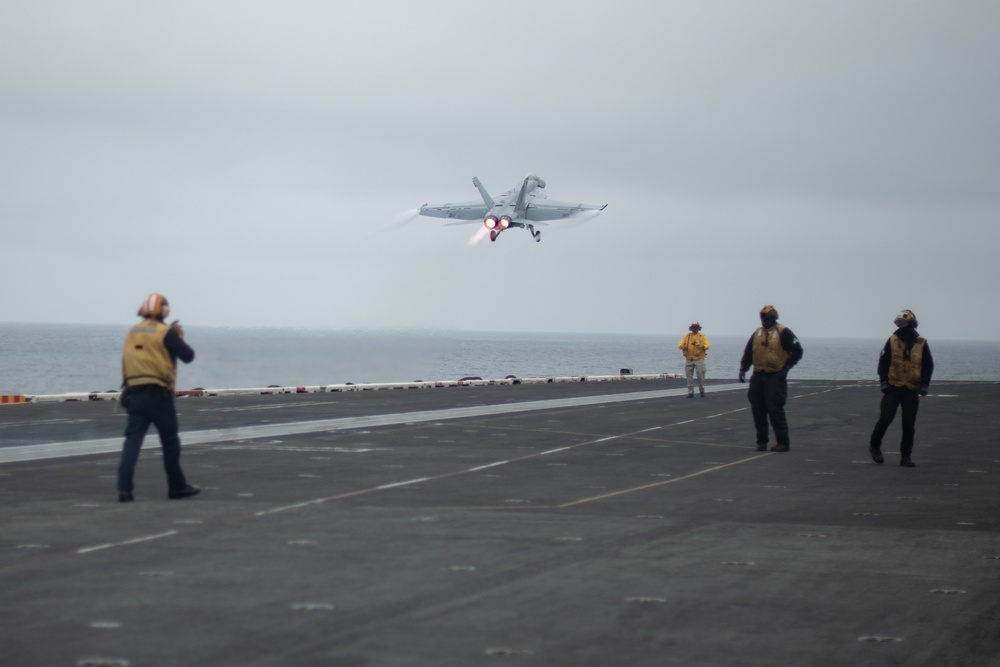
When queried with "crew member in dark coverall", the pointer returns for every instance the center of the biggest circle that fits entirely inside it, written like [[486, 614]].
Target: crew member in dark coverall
[[773, 350], [904, 369], [149, 368]]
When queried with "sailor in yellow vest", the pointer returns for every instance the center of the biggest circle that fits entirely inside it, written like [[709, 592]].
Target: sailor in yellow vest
[[904, 369], [772, 350], [694, 346], [149, 369]]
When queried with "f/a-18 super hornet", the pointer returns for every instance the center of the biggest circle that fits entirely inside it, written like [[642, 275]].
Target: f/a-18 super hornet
[[524, 207]]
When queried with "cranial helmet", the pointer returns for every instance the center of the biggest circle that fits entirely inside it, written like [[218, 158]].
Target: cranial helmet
[[769, 310], [155, 306], [768, 316], [695, 326], [905, 318]]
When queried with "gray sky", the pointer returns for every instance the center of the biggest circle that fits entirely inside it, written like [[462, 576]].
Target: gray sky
[[253, 161]]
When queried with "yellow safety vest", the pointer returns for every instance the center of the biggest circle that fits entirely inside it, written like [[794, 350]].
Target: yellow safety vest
[[905, 372], [145, 359], [768, 354], [687, 346]]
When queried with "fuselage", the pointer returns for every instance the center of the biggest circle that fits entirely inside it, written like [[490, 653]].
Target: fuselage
[[512, 204], [524, 206]]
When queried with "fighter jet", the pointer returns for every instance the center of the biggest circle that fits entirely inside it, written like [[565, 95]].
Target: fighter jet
[[522, 207]]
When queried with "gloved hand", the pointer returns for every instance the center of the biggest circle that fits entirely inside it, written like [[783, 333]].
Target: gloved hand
[[743, 376], [923, 390], [885, 387]]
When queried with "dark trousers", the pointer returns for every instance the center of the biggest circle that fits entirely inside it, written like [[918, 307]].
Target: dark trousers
[[151, 404], [909, 399], [768, 393]]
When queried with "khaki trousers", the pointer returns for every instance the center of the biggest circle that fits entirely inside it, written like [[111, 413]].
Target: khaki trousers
[[692, 366]]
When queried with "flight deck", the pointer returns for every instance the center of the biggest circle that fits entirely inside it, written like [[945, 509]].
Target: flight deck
[[586, 523]]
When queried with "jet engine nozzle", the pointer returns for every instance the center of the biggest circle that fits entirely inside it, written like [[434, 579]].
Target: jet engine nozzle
[[505, 222], [490, 222]]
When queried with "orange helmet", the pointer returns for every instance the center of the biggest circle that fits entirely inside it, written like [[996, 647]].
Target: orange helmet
[[155, 306]]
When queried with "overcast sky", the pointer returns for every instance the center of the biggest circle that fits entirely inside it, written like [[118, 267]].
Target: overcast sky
[[255, 162]]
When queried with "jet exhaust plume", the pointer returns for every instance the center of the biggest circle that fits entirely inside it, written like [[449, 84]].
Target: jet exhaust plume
[[479, 235]]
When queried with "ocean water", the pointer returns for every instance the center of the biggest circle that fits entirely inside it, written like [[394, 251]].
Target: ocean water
[[55, 359]]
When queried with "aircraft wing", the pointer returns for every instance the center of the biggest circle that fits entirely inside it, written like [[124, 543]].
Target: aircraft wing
[[470, 210], [557, 210]]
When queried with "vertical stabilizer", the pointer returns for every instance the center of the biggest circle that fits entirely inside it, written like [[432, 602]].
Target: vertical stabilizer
[[519, 207], [483, 192]]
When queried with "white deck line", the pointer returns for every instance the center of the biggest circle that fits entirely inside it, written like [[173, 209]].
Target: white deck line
[[135, 540], [208, 436]]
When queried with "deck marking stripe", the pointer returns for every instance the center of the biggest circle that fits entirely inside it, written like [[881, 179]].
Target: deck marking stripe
[[208, 436], [604, 496], [137, 540], [488, 465], [307, 503], [395, 484], [454, 473]]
